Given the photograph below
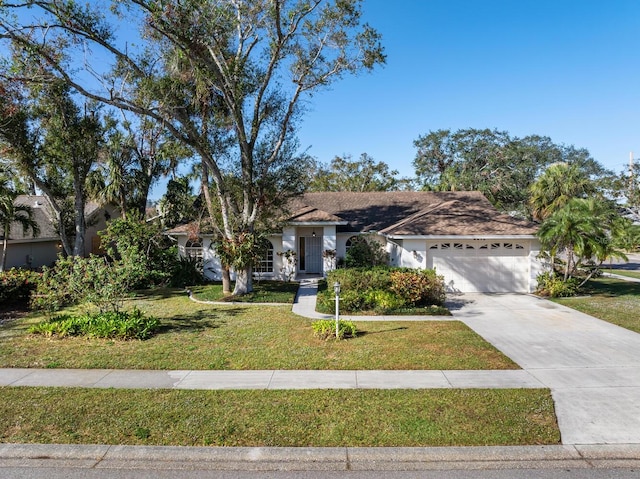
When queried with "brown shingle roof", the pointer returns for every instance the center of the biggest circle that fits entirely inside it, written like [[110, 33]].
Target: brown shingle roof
[[415, 212]]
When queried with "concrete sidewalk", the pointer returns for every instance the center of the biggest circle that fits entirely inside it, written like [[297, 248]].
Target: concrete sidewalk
[[268, 379]]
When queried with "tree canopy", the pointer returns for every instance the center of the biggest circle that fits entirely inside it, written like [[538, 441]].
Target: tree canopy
[[364, 174], [225, 77], [502, 167]]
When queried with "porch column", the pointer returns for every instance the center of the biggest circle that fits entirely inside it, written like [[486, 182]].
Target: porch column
[[329, 243], [288, 260]]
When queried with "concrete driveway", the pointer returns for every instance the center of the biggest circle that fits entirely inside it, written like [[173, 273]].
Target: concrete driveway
[[592, 367]]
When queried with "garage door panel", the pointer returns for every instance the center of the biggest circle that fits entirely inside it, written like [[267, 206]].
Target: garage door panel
[[496, 270]]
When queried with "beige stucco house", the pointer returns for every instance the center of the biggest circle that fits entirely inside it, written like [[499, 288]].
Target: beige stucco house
[[460, 234]]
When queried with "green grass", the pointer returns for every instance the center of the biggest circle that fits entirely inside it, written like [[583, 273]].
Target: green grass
[[613, 300], [263, 292], [623, 272], [278, 418], [201, 336]]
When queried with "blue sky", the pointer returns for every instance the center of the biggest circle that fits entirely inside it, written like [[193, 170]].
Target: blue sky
[[567, 69]]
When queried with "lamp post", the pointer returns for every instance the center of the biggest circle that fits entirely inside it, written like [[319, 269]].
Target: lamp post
[[336, 289]]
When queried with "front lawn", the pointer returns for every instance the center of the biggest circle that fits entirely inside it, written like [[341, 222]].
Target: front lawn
[[263, 292], [201, 336], [317, 418], [613, 300]]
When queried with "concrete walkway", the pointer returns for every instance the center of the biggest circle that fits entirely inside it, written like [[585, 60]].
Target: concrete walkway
[[591, 367]]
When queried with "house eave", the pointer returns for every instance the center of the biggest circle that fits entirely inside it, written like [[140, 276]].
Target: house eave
[[318, 223], [464, 237]]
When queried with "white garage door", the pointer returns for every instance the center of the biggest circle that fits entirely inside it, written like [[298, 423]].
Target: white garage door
[[481, 266]]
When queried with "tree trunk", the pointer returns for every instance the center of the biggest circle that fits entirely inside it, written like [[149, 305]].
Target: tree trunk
[[80, 223], [3, 264], [244, 281], [226, 280]]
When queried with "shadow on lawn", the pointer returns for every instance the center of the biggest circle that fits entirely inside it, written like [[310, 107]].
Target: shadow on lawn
[[370, 333], [612, 287], [197, 320]]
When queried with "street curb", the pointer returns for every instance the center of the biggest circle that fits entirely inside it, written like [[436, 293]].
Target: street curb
[[330, 458]]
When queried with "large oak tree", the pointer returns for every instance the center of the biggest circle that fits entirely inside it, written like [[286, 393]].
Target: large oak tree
[[225, 77]]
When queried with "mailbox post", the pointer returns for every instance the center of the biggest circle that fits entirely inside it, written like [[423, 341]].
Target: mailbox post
[[336, 289]]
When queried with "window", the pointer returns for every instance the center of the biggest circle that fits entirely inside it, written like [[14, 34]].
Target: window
[[519, 246], [265, 260], [457, 245], [193, 250], [433, 246], [495, 245], [351, 241], [508, 245], [445, 246]]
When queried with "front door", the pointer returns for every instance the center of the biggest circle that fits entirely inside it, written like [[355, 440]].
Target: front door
[[310, 254]]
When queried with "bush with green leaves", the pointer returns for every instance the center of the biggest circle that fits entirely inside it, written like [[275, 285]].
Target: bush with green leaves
[[133, 240], [16, 285], [96, 280], [186, 272], [382, 290], [418, 287], [365, 251], [553, 285], [325, 329], [123, 325]]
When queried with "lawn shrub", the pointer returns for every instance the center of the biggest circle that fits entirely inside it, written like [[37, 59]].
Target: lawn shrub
[[382, 301], [375, 289], [326, 329], [16, 285], [108, 325], [550, 284], [418, 287], [95, 280], [186, 271]]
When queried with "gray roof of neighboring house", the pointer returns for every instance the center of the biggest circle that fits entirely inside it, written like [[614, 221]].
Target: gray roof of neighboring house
[[414, 213], [44, 217]]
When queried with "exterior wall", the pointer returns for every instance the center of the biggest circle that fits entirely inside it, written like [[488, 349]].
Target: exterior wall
[[537, 265], [32, 255], [412, 254], [98, 223], [329, 251]]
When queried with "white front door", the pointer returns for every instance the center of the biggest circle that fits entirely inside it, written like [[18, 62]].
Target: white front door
[[310, 254]]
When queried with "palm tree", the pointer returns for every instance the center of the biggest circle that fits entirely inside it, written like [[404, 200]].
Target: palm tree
[[582, 230], [10, 213], [556, 187]]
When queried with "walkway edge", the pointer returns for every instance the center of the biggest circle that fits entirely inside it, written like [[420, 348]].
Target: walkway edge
[[329, 458]]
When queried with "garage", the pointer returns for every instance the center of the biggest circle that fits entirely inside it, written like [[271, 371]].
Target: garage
[[495, 266]]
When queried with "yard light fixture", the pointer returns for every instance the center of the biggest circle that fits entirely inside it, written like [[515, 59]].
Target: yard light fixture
[[336, 289]]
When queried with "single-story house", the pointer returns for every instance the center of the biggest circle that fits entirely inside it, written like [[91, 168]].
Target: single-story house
[[460, 234], [29, 251]]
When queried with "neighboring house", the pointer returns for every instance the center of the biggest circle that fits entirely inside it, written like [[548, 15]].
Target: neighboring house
[[29, 251], [460, 234]]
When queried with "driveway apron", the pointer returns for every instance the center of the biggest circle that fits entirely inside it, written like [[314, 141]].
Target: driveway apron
[[592, 367]]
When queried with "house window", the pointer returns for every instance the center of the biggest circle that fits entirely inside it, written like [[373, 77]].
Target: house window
[[508, 245], [519, 246], [495, 245], [457, 245], [193, 250], [433, 246], [352, 241], [265, 260], [445, 245], [468, 246]]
